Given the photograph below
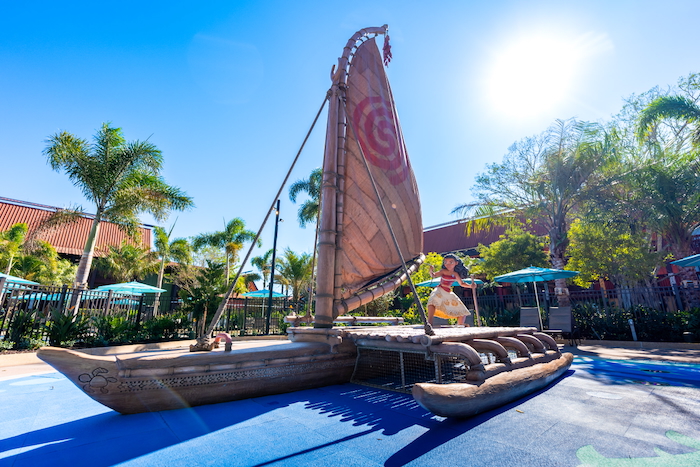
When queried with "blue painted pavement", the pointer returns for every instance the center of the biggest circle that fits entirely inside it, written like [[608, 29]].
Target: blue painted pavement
[[602, 412]]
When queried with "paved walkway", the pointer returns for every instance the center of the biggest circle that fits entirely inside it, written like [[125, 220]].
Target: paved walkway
[[622, 409]]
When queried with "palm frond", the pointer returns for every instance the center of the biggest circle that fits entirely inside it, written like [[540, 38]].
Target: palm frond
[[677, 107]]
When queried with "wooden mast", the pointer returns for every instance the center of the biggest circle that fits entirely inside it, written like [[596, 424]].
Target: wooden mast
[[327, 293]]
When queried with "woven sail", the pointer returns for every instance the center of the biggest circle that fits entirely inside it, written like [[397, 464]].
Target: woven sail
[[367, 251]]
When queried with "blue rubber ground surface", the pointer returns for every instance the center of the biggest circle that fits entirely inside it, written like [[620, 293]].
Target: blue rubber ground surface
[[602, 412]]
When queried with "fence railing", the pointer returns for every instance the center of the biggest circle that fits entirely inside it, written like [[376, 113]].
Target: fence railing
[[251, 316], [669, 298], [36, 304]]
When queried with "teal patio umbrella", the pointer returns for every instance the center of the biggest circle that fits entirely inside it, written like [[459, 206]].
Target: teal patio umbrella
[[261, 294], [534, 274], [16, 280], [436, 281], [133, 288], [688, 261], [52, 297]]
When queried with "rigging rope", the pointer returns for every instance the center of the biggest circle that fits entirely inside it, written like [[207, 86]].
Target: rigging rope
[[202, 339], [426, 325]]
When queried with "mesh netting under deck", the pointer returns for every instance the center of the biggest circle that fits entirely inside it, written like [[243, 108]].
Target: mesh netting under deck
[[399, 370]]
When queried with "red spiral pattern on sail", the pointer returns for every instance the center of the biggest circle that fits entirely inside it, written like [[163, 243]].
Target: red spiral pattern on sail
[[377, 133]]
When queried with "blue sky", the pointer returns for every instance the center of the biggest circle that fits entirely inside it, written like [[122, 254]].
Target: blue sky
[[228, 89]]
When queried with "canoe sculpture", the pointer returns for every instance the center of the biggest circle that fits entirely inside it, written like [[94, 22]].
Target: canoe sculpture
[[370, 241], [457, 372]]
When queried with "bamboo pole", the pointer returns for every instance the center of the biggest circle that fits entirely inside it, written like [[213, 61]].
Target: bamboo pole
[[327, 231], [476, 303], [327, 291]]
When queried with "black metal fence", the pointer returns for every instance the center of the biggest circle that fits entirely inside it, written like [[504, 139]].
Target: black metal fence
[[254, 317], [28, 310], [671, 298], [36, 306]]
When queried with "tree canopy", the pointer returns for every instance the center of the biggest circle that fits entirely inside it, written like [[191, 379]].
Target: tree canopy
[[121, 178], [516, 249]]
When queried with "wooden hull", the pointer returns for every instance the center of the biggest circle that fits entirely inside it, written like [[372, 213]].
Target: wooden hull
[[462, 400], [174, 379]]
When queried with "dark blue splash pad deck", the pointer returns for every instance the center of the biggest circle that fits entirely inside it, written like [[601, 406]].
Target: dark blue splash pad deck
[[606, 412]]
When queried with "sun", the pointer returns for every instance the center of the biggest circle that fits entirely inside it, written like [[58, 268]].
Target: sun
[[533, 74]]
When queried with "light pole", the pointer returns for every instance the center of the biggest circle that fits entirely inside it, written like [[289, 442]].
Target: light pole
[[272, 271]]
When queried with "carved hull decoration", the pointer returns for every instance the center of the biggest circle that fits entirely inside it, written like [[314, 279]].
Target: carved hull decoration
[[174, 379]]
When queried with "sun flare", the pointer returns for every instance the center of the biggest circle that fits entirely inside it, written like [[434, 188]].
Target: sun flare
[[532, 75]]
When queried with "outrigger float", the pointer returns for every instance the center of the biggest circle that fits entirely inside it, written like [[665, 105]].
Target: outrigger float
[[370, 241]]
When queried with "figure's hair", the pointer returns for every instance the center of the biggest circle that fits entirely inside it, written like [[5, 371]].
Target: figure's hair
[[460, 268]]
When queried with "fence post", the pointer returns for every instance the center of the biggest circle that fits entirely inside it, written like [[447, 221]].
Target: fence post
[[138, 314], [3, 280], [228, 316], [634, 332], [108, 307], [676, 292], [245, 314], [62, 302]]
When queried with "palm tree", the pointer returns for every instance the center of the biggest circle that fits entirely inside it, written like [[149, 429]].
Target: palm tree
[[670, 184], [24, 255], [308, 211], [296, 270], [231, 240], [31, 268], [669, 196], [681, 108], [264, 265], [121, 178], [178, 250], [42, 264], [11, 243], [545, 179], [250, 277], [127, 262]]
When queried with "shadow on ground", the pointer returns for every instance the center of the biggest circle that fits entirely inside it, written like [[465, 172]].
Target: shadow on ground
[[349, 411]]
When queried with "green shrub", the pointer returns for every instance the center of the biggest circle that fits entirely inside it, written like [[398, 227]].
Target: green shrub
[[167, 327], [21, 327], [113, 330], [6, 345], [29, 344], [493, 317], [65, 329], [612, 323]]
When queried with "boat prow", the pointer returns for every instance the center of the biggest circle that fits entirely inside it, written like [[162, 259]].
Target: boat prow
[[462, 400], [174, 379]]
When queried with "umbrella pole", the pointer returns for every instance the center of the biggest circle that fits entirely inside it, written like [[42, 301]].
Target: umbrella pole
[[476, 303], [539, 315]]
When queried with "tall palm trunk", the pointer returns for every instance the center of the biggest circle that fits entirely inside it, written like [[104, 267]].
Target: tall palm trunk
[[9, 263], [161, 273], [228, 268], [81, 276], [557, 250]]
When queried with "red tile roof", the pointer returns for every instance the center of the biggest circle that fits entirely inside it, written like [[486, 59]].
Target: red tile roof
[[67, 239], [451, 236]]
